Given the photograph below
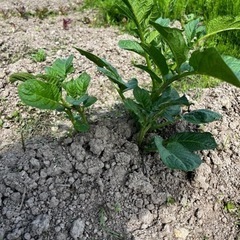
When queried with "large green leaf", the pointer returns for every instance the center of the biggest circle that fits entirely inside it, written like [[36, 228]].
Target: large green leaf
[[130, 45], [201, 116], [194, 141], [157, 57], [140, 9], [222, 24], [143, 97], [175, 40], [176, 156], [77, 87], [40, 94], [209, 62]]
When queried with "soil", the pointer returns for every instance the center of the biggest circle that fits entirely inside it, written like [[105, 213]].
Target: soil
[[58, 185]]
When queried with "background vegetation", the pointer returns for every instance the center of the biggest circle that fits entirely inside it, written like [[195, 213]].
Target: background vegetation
[[182, 10]]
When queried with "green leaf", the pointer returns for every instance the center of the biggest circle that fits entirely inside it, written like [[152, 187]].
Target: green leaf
[[234, 64], [165, 22], [168, 104], [175, 40], [209, 62], [131, 46], [77, 87], [89, 101], [201, 116], [98, 61], [136, 109], [176, 156], [152, 74], [222, 24], [114, 77], [194, 30], [76, 101], [143, 97], [106, 68], [21, 76], [194, 141], [131, 84], [80, 126], [40, 94], [61, 67], [157, 57]]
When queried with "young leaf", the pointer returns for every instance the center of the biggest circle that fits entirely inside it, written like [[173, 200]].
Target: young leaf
[[143, 97], [209, 62], [176, 156], [77, 87], [61, 67], [131, 46], [40, 94], [89, 101], [21, 76], [175, 40], [201, 116], [194, 141], [76, 101], [131, 84]]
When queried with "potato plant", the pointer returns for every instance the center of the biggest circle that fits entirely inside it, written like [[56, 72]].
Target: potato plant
[[171, 54], [54, 91]]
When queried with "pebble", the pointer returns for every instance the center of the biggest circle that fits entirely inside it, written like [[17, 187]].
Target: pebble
[[77, 229], [41, 224], [181, 233]]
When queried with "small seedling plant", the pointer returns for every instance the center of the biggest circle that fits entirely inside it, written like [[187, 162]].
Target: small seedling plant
[[171, 54], [53, 90], [39, 55]]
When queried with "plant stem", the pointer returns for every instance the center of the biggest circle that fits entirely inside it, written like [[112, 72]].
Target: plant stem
[[142, 134]]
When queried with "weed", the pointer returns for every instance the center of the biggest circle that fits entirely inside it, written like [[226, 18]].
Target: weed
[[102, 221], [53, 91], [39, 56], [170, 55]]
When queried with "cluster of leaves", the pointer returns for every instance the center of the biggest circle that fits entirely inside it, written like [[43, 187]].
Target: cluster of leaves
[[53, 91], [170, 55]]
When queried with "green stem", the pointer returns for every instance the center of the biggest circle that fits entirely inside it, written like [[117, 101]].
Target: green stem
[[142, 134]]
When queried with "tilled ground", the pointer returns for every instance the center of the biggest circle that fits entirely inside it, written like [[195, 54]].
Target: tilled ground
[[93, 186]]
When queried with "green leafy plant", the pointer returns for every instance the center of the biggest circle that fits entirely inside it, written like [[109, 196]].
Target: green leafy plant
[[53, 91], [171, 54], [39, 56]]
